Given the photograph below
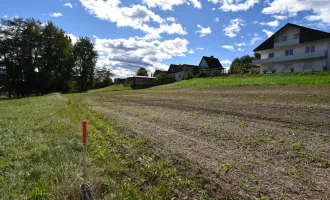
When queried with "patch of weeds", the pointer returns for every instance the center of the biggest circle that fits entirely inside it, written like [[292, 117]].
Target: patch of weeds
[[226, 167]]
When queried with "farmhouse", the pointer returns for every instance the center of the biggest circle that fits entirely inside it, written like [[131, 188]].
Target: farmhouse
[[295, 48], [207, 65]]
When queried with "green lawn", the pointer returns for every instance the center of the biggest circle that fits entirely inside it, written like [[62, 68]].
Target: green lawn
[[111, 88], [311, 78], [40, 155]]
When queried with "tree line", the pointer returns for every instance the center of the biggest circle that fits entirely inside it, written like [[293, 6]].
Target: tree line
[[39, 58]]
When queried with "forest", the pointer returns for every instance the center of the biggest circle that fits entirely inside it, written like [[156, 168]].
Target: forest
[[38, 58]]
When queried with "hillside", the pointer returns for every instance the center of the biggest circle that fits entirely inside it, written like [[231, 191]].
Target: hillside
[[310, 78]]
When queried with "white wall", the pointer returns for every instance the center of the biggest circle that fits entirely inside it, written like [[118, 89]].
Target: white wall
[[204, 64]]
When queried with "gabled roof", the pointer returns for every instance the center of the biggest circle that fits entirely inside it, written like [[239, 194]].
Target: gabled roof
[[306, 35], [175, 68], [211, 62]]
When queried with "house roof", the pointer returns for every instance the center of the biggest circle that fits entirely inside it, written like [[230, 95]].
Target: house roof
[[211, 62], [306, 35], [159, 72], [147, 77], [175, 68]]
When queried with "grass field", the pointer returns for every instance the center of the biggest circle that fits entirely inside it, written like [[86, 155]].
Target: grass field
[[40, 155], [310, 78]]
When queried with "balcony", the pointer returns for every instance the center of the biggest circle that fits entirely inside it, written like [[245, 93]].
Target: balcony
[[286, 43], [299, 56]]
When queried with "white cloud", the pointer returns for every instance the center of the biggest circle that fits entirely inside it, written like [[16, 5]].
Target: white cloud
[[216, 19], [56, 14], [5, 16], [94, 36], [280, 17], [200, 48], [274, 23], [240, 44], [170, 19], [203, 31], [225, 62], [229, 47], [269, 33], [191, 51], [136, 17], [235, 5], [319, 9], [125, 56], [168, 4], [255, 22], [213, 9], [240, 49], [73, 38], [196, 4], [255, 38], [68, 5], [234, 27]]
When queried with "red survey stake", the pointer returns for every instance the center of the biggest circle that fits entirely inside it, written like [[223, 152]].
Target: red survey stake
[[84, 131]]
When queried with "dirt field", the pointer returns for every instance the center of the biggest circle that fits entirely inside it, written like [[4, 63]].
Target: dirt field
[[264, 142]]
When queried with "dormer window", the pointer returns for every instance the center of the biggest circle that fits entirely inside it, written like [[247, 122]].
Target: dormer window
[[296, 36], [284, 38]]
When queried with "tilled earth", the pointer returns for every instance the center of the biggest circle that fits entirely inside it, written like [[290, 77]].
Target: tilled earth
[[257, 142]]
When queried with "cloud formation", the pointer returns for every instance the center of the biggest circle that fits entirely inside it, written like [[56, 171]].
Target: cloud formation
[[234, 27], [203, 31]]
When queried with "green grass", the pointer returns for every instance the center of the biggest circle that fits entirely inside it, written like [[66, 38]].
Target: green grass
[[310, 78], [40, 155], [111, 88]]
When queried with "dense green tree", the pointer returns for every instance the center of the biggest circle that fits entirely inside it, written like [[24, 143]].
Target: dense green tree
[[142, 72], [85, 57], [102, 77], [37, 58]]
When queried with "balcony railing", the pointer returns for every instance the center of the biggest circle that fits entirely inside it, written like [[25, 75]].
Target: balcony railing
[[298, 56], [286, 43]]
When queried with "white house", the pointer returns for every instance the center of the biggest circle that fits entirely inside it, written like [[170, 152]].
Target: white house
[[296, 47]]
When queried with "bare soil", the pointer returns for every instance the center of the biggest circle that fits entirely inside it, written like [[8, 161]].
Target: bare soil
[[257, 142]]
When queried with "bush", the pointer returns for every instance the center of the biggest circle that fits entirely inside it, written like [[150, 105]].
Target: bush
[[187, 76], [273, 70], [264, 71], [291, 69], [203, 75], [324, 68]]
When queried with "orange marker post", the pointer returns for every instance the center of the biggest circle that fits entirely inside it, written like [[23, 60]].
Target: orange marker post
[[84, 140]]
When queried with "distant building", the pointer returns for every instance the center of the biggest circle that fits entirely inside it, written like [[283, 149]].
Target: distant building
[[119, 81], [207, 65], [294, 47], [142, 81]]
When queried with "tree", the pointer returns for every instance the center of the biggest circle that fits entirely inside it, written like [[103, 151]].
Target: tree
[[102, 78], [142, 72], [257, 56], [235, 67], [85, 58], [187, 76]]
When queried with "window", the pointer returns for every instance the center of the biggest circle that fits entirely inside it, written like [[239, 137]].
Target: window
[[289, 52], [310, 49], [286, 67], [308, 66], [270, 55], [296, 36], [284, 38]]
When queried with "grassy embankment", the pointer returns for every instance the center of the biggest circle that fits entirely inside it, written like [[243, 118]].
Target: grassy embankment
[[307, 78], [40, 155]]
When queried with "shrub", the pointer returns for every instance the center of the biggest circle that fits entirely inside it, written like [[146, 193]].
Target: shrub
[[203, 75], [273, 70], [264, 71], [324, 68], [187, 76], [291, 69]]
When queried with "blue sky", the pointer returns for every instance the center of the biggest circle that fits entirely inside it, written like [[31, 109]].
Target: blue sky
[[129, 34]]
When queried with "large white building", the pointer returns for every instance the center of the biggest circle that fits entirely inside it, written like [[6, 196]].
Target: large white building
[[295, 47]]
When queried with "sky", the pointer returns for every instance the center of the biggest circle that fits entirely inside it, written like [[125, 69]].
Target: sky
[[129, 34]]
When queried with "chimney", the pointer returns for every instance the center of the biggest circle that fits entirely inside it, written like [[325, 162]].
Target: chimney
[[211, 56]]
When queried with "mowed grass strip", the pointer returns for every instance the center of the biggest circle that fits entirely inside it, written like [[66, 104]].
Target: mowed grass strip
[[40, 155], [307, 78]]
